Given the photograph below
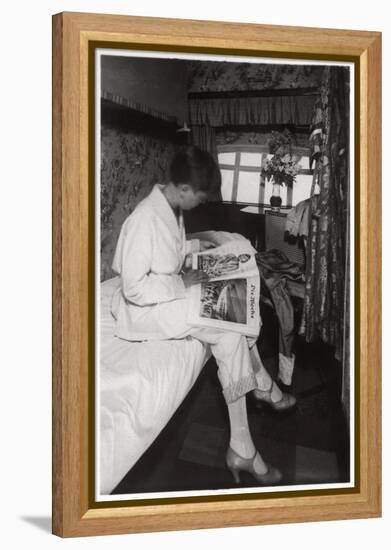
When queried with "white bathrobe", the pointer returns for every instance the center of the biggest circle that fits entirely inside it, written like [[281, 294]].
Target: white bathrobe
[[150, 253], [151, 302]]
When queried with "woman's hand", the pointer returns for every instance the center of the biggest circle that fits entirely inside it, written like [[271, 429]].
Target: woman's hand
[[194, 277], [205, 245], [188, 262]]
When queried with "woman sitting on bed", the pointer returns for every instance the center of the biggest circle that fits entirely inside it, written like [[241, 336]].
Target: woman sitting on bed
[[151, 303]]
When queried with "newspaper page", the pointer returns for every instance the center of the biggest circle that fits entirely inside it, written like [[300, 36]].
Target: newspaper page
[[229, 300]]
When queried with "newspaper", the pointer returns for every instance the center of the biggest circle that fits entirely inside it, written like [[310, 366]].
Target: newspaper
[[229, 300]]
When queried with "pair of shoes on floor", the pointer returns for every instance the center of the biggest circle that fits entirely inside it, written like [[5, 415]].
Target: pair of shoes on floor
[[261, 397], [237, 464]]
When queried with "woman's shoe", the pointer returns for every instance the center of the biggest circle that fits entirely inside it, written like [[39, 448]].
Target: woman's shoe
[[237, 464], [283, 387], [286, 402]]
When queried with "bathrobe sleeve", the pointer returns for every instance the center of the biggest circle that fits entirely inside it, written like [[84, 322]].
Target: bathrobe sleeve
[[133, 261]]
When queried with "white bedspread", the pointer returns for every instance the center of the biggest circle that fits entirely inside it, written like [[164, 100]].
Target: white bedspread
[[140, 387]]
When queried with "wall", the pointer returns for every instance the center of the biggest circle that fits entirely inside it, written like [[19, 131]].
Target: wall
[[135, 152], [131, 163], [158, 83]]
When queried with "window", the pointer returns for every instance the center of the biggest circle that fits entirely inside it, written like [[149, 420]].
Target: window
[[240, 167]]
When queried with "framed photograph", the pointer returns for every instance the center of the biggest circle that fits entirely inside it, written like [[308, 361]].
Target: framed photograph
[[216, 274]]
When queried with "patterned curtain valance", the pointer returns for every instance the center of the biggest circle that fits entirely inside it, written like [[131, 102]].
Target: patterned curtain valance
[[260, 111]]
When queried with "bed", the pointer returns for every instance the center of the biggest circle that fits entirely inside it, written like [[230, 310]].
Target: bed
[[140, 386]]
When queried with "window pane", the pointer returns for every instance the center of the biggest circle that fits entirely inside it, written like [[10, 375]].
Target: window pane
[[227, 158], [301, 188], [248, 187], [227, 178], [269, 189], [250, 159], [304, 162]]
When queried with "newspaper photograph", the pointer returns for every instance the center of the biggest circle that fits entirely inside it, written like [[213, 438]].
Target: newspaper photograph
[[233, 259], [230, 298]]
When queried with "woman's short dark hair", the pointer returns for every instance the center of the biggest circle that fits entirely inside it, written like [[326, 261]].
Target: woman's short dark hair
[[198, 169]]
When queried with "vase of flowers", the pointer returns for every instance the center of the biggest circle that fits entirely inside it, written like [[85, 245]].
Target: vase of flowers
[[282, 168], [275, 199]]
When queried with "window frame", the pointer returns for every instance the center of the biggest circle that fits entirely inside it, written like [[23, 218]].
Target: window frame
[[237, 167]]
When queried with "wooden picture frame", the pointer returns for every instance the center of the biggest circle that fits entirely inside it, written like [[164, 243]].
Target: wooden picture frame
[[74, 36]]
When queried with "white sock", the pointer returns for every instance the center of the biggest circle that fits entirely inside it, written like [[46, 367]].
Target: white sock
[[285, 368]]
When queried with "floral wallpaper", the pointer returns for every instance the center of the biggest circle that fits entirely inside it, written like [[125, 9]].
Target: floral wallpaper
[[131, 163], [213, 76]]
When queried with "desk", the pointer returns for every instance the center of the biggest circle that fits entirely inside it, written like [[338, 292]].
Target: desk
[[255, 221]]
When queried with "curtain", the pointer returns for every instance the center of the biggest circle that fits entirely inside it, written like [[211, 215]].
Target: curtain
[[258, 111], [325, 289], [207, 114], [204, 137]]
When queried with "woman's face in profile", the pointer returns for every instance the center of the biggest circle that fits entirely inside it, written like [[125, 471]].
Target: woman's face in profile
[[189, 198]]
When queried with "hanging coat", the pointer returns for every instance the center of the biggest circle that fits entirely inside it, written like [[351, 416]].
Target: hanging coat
[[151, 301]]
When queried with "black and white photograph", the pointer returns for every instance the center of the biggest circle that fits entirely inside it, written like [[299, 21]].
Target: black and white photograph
[[225, 300], [194, 152]]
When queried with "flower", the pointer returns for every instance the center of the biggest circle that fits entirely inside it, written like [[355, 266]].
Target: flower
[[283, 166]]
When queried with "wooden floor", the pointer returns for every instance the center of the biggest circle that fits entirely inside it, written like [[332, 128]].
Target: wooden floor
[[309, 444]]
